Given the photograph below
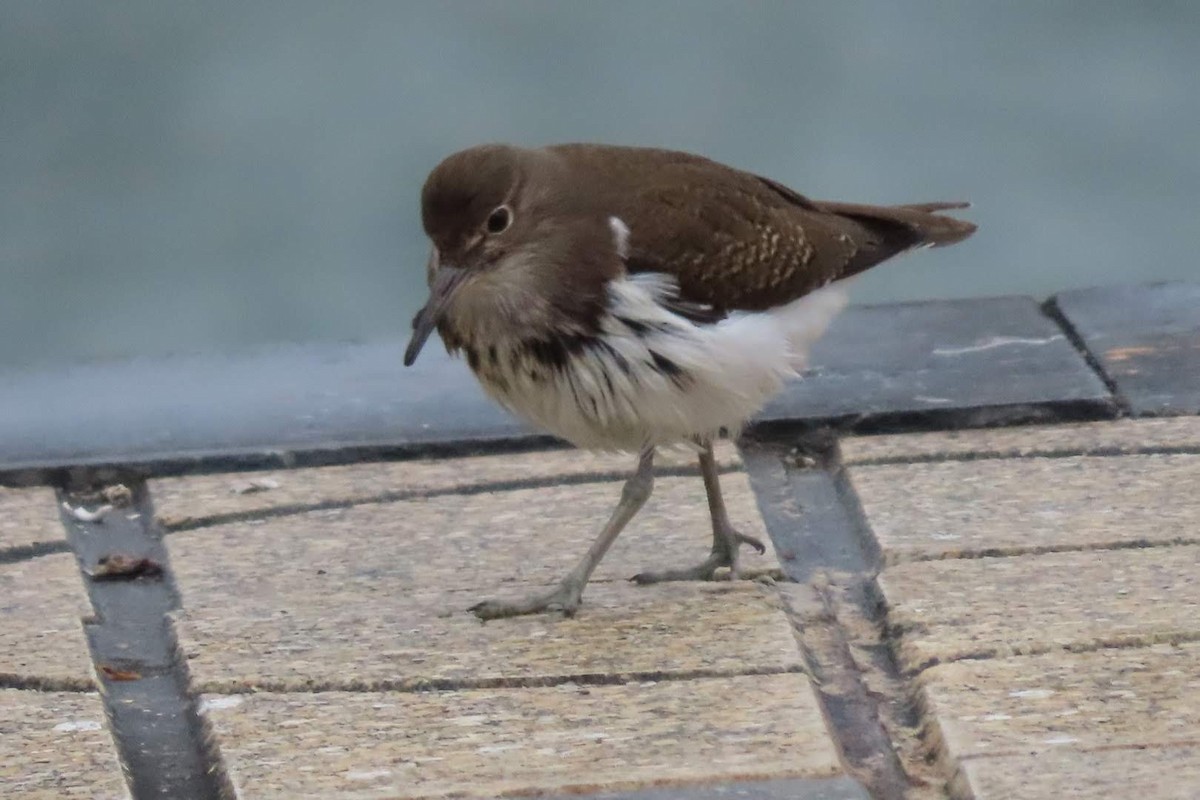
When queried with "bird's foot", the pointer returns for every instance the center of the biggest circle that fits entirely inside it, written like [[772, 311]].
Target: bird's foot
[[704, 571], [724, 555], [565, 599]]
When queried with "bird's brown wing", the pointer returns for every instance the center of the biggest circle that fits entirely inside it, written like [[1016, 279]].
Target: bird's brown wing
[[735, 241]]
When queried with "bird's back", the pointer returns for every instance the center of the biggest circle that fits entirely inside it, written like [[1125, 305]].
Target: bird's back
[[737, 241]]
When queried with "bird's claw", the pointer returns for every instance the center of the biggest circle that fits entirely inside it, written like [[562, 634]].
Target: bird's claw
[[724, 554], [756, 543], [565, 600]]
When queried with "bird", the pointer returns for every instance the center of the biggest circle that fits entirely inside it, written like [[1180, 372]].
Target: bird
[[628, 299]]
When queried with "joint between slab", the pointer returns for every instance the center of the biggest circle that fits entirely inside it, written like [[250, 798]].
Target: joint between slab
[[25, 552], [423, 685], [486, 487], [843, 561], [852, 713], [921, 421], [9, 680], [145, 689], [1052, 310], [996, 455], [1018, 552], [1099, 748], [1131, 642]]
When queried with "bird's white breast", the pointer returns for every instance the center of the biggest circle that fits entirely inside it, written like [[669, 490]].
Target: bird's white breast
[[651, 376]]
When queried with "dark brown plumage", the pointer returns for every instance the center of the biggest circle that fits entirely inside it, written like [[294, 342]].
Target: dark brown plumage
[[737, 241]]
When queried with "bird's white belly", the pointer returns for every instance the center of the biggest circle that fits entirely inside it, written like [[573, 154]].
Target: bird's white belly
[[652, 377]]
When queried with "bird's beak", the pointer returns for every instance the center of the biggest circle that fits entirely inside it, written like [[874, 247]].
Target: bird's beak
[[445, 283]]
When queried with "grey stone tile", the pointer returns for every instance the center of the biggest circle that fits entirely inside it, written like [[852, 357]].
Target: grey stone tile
[[954, 360], [990, 359], [1147, 340], [249, 407]]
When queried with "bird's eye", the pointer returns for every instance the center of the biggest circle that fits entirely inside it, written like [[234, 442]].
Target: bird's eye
[[499, 220]]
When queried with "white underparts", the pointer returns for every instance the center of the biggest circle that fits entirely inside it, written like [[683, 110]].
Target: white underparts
[[652, 377]]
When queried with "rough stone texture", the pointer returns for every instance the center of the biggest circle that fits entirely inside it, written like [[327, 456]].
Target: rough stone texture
[[1168, 773], [188, 500], [28, 517], [377, 595], [374, 596], [1147, 340], [56, 745], [347, 640], [1114, 436], [510, 541], [985, 607], [955, 508], [483, 743], [986, 358], [1108, 698], [42, 607]]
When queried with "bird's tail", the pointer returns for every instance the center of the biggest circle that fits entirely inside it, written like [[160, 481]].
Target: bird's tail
[[911, 225]]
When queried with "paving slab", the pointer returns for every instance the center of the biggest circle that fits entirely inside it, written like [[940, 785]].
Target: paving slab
[[1165, 434], [251, 407], [987, 607], [28, 519], [1158, 773], [992, 358], [480, 544], [377, 595], [56, 745], [1147, 340], [1115, 697], [361, 639], [954, 360], [42, 608], [520, 741], [971, 508], [188, 501]]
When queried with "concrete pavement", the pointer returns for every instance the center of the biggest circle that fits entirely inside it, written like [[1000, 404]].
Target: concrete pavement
[[1038, 600]]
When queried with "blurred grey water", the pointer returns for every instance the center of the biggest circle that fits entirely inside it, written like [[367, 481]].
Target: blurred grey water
[[210, 176]]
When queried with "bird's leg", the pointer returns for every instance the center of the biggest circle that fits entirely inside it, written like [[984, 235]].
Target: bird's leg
[[726, 539], [566, 596]]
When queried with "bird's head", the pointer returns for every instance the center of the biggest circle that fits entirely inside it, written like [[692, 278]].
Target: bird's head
[[509, 239]]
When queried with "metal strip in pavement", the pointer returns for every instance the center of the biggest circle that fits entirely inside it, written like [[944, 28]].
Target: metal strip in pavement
[[144, 684]]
